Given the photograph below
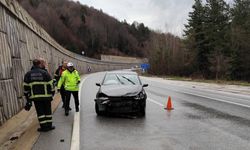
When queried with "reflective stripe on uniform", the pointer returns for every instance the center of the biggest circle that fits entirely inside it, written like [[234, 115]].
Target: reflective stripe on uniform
[[40, 96], [41, 83], [42, 122], [45, 84], [40, 117], [26, 89], [25, 84], [51, 83]]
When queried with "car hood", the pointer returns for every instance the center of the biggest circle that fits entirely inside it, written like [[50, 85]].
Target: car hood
[[121, 90]]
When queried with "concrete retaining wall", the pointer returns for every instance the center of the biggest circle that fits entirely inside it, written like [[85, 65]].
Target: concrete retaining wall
[[22, 40]]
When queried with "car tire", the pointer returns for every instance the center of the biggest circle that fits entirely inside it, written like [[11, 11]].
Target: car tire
[[141, 112], [98, 112], [142, 108]]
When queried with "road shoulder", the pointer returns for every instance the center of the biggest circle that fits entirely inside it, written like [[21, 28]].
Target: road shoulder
[[20, 132]]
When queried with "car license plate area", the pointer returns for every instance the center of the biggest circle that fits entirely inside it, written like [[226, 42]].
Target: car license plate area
[[121, 109], [121, 104]]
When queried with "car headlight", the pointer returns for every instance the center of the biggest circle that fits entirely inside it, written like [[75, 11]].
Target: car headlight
[[103, 98], [140, 96]]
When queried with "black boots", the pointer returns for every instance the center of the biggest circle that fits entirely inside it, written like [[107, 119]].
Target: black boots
[[41, 130], [64, 107], [77, 109], [51, 128], [45, 129], [66, 112]]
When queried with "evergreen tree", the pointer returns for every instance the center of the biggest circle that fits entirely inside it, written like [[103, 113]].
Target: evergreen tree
[[195, 39], [241, 40], [217, 31]]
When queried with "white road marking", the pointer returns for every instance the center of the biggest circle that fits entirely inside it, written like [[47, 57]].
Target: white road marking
[[75, 139], [155, 102], [243, 95], [215, 99]]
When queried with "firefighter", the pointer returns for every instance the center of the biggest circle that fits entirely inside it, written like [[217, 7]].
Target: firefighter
[[43, 64], [70, 79], [57, 76], [38, 87]]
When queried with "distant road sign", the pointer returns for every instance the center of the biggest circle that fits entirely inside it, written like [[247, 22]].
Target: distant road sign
[[145, 66]]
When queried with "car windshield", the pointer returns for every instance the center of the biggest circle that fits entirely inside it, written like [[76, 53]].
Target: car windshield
[[120, 78]]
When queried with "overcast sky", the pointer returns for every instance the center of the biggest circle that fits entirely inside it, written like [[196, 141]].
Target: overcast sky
[[163, 15]]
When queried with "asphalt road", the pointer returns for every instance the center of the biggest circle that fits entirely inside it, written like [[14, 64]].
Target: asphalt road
[[201, 120]]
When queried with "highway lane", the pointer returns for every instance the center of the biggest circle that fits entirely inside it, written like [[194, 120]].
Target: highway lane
[[201, 119], [230, 103]]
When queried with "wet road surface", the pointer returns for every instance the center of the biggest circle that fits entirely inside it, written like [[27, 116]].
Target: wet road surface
[[201, 120]]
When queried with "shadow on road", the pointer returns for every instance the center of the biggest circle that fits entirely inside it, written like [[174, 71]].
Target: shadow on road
[[124, 116]]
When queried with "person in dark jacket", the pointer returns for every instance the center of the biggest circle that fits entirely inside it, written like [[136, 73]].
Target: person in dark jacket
[[57, 77], [39, 88]]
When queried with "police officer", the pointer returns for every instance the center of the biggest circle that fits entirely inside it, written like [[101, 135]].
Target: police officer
[[38, 87], [57, 76], [70, 79]]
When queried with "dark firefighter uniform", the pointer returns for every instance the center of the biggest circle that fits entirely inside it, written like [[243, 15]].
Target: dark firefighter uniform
[[39, 88]]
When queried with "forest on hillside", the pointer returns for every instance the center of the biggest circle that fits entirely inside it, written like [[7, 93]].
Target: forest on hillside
[[217, 38], [215, 44], [80, 28]]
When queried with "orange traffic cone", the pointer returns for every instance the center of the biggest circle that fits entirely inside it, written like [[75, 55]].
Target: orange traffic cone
[[169, 104]]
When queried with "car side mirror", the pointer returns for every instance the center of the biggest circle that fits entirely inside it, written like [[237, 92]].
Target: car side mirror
[[98, 84], [145, 85]]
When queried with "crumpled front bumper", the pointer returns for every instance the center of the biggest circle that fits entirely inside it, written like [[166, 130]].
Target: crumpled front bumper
[[119, 105]]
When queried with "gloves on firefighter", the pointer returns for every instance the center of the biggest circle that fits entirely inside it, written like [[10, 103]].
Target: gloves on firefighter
[[28, 106]]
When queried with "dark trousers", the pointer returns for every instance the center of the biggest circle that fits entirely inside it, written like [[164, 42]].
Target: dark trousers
[[68, 94], [63, 95], [44, 115]]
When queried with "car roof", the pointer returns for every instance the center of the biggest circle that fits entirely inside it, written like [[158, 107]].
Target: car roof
[[121, 72]]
